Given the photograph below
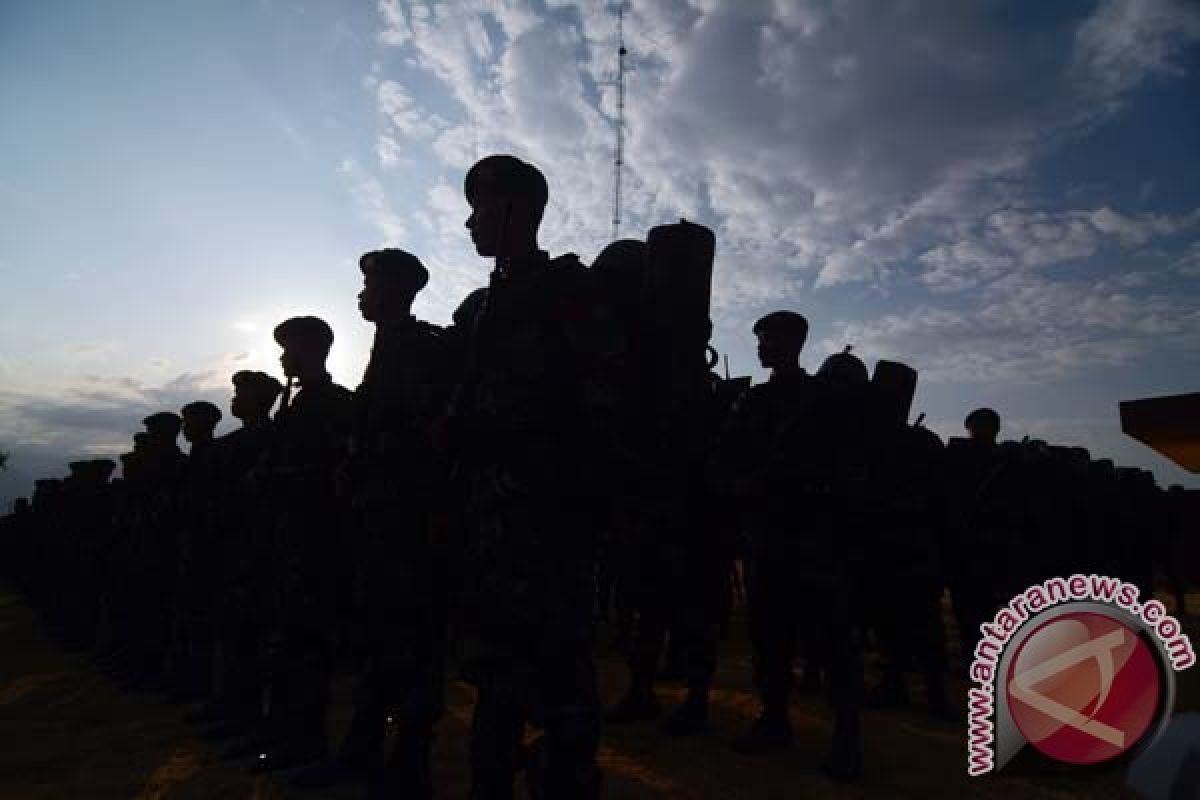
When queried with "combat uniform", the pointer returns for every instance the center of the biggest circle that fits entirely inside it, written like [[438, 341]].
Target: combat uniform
[[527, 571]]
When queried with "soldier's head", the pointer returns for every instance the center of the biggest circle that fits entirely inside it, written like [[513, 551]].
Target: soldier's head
[[99, 470], [21, 505], [781, 336], [306, 342], [200, 420], [391, 280], [507, 198], [844, 370], [45, 491], [78, 471], [254, 395], [464, 316], [983, 425], [140, 439], [162, 428]]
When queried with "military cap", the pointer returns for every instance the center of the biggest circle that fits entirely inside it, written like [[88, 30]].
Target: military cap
[[203, 411], [77, 466], [164, 423], [788, 322], [311, 329], [395, 265], [982, 416], [845, 367], [258, 383], [506, 175]]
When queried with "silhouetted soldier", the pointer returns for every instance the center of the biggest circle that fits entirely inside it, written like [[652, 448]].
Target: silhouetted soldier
[[18, 543], [86, 525], [47, 509], [901, 520], [241, 562], [395, 479], [520, 422], [195, 639], [309, 550], [789, 456], [982, 480], [161, 464], [658, 429]]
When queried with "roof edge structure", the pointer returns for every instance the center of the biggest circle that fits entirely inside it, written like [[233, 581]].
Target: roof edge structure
[[1168, 425]]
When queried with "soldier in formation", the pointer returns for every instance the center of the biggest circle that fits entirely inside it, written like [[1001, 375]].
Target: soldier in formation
[[562, 447]]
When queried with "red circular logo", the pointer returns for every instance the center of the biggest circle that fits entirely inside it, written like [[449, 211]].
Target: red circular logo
[[1083, 688]]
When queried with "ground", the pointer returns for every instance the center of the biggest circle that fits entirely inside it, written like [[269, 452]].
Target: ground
[[66, 731]]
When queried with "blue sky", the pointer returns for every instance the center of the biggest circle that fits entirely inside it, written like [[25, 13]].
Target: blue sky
[[1005, 195]]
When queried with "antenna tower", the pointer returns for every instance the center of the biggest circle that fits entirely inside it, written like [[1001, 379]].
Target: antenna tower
[[619, 157]]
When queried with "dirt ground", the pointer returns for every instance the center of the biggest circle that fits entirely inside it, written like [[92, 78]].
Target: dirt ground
[[66, 731]]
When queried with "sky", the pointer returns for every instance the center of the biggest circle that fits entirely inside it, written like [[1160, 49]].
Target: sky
[[1004, 195]]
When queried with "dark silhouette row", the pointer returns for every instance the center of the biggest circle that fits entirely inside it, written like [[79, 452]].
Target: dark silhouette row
[[561, 453]]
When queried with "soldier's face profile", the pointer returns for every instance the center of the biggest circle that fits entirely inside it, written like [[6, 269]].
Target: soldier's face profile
[[775, 350], [289, 361], [485, 222], [368, 301]]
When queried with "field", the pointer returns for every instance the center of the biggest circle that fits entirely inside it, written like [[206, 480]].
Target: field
[[66, 731]]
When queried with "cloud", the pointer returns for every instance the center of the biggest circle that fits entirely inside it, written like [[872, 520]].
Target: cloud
[[398, 106], [372, 200], [1028, 330], [396, 30], [96, 417], [845, 140], [388, 151], [1125, 41], [1014, 239]]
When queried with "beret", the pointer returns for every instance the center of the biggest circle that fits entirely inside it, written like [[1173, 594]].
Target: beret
[[395, 265], [257, 382], [786, 321], [312, 329], [982, 416], [506, 175], [164, 422], [202, 410]]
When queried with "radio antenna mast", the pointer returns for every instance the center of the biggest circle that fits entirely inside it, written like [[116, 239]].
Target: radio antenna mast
[[619, 157]]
